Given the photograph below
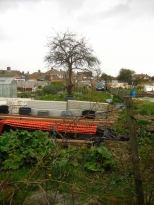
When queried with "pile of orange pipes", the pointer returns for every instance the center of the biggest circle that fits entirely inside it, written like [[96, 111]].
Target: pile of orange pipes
[[77, 128]]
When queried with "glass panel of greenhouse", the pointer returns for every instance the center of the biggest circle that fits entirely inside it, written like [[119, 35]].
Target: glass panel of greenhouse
[[8, 88]]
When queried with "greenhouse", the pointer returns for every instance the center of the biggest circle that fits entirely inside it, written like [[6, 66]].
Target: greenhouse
[[8, 88]]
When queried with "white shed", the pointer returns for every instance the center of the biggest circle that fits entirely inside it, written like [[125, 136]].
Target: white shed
[[8, 87]]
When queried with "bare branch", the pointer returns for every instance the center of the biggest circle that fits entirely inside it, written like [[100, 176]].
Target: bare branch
[[67, 50]]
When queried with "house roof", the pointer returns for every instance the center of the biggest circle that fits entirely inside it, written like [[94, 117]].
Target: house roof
[[143, 76], [37, 75], [9, 73], [53, 71]]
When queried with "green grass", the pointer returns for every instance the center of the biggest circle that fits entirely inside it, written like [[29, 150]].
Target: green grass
[[90, 96]]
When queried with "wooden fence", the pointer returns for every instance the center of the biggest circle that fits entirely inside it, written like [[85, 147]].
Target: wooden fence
[[119, 93], [123, 93]]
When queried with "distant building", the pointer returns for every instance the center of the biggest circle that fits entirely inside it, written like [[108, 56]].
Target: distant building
[[84, 77], [30, 85], [37, 75], [141, 76], [9, 73], [55, 75]]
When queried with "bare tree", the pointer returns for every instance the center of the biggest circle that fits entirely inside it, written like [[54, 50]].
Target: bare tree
[[69, 51], [97, 73]]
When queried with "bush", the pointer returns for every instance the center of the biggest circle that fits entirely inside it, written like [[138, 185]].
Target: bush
[[99, 159], [53, 88], [23, 148]]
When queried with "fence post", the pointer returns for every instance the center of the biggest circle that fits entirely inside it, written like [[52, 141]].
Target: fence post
[[134, 150]]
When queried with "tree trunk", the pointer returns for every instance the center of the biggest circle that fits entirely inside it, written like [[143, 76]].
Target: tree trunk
[[70, 85], [69, 89]]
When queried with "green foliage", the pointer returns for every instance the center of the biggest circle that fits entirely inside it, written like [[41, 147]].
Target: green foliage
[[53, 88], [147, 109], [143, 123], [39, 86], [99, 159], [68, 170], [66, 166], [139, 108], [23, 148], [106, 77], [116, 99], [23, 95], [56, 97], [87, 96], [143, 107], [29, 94], [146, 150], [125, 75], [93, 96], [120, 126], [30, 156]]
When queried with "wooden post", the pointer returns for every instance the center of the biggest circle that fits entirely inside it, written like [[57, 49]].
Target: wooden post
[[134, 150]]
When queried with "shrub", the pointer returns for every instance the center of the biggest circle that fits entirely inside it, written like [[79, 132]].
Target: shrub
[[99, 159], [53, 88], [23, 148]]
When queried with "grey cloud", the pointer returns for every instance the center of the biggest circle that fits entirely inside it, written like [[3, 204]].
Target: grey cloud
[[70, 5], [144, 6], [120, 9], [14, 4], [129, 11], [7, 4], [132, 8], [115, 11]]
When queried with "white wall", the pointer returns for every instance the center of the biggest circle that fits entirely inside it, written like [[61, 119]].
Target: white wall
[[148, 88]]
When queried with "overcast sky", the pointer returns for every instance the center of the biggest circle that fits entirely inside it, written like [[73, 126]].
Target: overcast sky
[[121, 32]]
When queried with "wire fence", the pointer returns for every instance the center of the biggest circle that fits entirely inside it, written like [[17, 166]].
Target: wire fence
[[60, 176]]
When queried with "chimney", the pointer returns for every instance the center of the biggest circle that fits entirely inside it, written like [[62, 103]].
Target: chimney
[[39, 71], [8, 68]]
